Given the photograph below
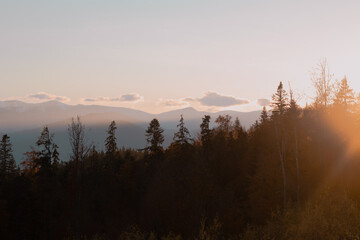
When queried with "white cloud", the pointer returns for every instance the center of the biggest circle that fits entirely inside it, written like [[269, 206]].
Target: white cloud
[[42, 96]]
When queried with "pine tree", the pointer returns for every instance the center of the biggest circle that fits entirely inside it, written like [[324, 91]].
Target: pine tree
[[154, 137], [264, 117], [344, 95], [205, 133], [280, 106], [239, 132], [182, 137], [280, 101], [110, 142], [7, 162], [45, 141]]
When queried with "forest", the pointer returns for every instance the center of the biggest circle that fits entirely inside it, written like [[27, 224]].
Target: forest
[[295, 174]]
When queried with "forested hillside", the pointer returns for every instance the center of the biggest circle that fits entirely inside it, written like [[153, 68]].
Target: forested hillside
[[23, 122], [293, 175]]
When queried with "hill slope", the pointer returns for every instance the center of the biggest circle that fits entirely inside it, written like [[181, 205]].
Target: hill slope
[[24, 122]]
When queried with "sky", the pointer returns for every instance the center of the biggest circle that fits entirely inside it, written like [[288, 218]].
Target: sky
[[157, 56]]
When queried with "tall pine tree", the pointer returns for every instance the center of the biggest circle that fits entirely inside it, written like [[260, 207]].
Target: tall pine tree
[[280, 105], [110, 142], [280, 101], [205, 133], [7, 162], [154, 137]]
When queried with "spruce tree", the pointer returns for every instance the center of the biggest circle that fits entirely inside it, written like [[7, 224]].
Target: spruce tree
[[280, 105], [344, 95], [280, 101], [205, 133], [264, 116], [7, 162], [182, 137], [110, 142], [154, 137], [45, 141], [239, 132]]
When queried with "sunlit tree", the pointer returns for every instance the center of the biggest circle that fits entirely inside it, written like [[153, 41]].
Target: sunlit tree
[[322, 81], [344, 95], [279, 101]]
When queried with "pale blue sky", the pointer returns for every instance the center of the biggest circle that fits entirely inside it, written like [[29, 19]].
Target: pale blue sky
[[169, 50]]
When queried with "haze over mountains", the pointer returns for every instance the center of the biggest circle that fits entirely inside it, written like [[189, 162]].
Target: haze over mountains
[[24, 122]]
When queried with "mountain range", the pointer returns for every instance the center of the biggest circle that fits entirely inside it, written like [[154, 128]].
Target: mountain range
[[23, 122]]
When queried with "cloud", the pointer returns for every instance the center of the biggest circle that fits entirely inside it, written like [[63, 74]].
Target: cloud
[[210, 100], [216, 100], [263, 102], [173, 103], [89, 99], [42, 96], [131, 97]]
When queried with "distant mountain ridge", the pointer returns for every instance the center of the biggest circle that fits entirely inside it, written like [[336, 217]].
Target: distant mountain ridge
[[24, 122]]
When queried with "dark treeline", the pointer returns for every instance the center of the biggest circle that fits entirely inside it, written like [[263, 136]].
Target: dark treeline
[[295, 174]]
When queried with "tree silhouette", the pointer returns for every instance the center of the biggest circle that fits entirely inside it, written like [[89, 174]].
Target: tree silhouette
[[80, 150], [205, 134], [264, 117], [223, 124], [279, 101], [239, 132], [110, 142], [7, 162], [76, 131], [48, 153], [154, 137], [182, 136], [280, 105]]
